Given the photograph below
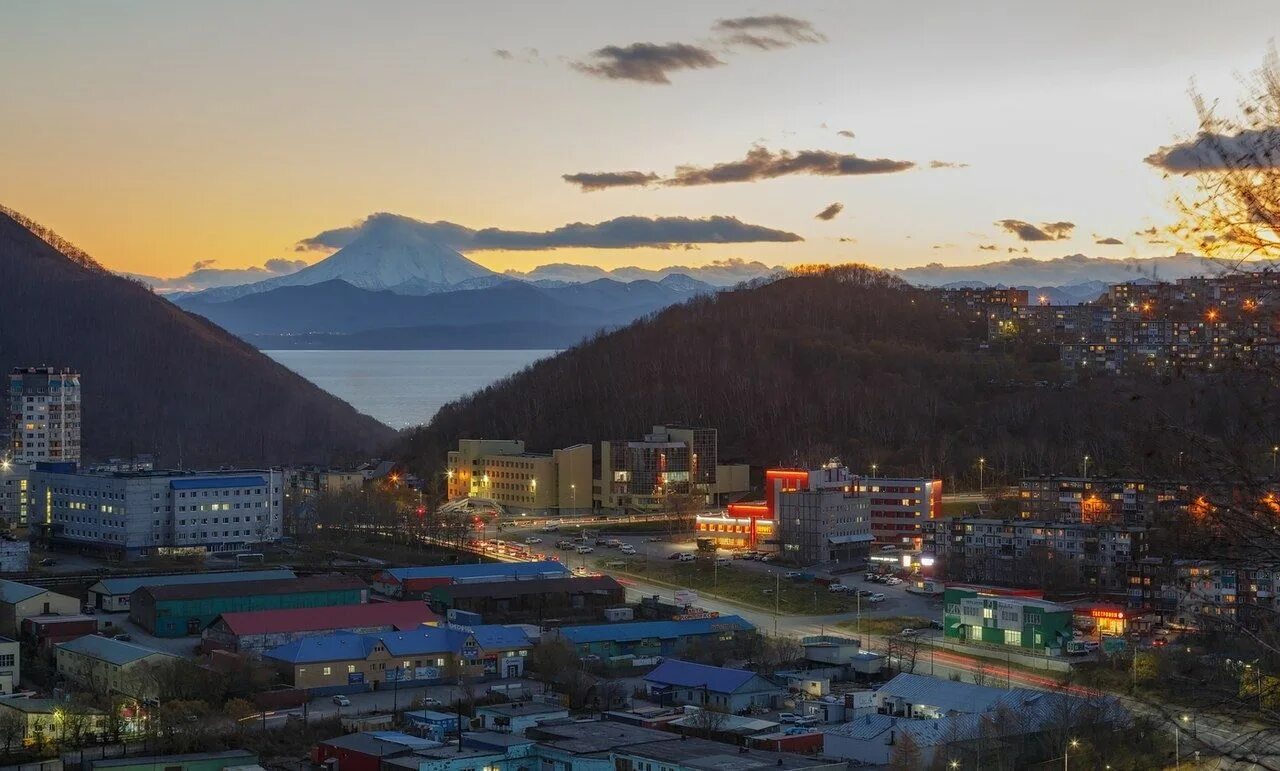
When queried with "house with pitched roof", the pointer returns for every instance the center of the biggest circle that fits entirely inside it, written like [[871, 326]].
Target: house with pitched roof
[[23, 601], [719, 688], [105, 665]]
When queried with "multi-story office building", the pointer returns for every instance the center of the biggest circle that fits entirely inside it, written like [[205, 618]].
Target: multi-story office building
[[1015, 552], [133, 515], [13, 492], [826, 521], [44, 415], [1100, 500], [899, 506], [501, 471], [990, 616], [669, 460]]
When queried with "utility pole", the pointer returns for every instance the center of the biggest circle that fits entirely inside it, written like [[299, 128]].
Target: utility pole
[[777, 587]]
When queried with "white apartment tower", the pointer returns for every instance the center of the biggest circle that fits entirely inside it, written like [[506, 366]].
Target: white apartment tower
[[44, 415]]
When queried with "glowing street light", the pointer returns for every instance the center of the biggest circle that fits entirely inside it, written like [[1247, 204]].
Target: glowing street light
[[873, 470], [1086, 466], [982, 467]]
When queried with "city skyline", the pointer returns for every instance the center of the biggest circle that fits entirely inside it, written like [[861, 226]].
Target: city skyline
[[161, 138]]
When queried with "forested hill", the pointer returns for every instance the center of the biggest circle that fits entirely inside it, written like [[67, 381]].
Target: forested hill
[[843, 362], [157, 379]]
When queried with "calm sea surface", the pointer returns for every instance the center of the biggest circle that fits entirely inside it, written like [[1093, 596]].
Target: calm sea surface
[[404, 388]]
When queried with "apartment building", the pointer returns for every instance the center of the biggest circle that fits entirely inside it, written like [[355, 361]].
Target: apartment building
[[1014, 552], [670, 459], [134, 515], [44, 415], [1194, 593], [14, 479], [898, 507], [1100, 500]]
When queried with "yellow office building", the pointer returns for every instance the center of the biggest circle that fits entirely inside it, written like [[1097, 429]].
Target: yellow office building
[[522, 482]]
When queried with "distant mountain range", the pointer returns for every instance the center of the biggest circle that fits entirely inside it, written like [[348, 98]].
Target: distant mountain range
[[157, 379], [1072, 269]]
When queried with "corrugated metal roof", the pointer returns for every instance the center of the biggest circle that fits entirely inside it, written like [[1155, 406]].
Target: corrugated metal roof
[[495, 637], [126, 585], [686, 674], [12, 591], [498, 570], [640, 630], [254, 588], [397, 615], [340, 646], [945, 695], [532, 586], [112, 651], [209, 483]]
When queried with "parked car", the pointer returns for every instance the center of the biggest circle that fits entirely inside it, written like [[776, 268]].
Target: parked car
[[431, 701], [550, 528], [724, 562], [787, 717], [935, 625], [654, 538], [837, 588], [893, 580], [865, 592], [565, 545], [807, 720], [687, 557], [533, 539], [675, 555], [875, 597], [627, 549], [792, 574], [584, 549], [602, 542], [908, 632], [342, 701], [124, 637], [768, 557], [613, 543]]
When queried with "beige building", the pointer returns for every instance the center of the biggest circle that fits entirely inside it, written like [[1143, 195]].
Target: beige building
[[20, 601], [104, 665], [10, 665], [522, 482], [46, 720]]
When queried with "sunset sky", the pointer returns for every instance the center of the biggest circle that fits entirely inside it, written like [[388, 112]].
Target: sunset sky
[[158, 134]]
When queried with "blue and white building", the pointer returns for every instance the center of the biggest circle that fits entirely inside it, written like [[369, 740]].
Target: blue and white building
[[140, 514], [728, 690]]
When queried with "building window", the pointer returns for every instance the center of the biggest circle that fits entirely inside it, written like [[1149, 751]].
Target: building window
[[351, 668], [1012, 637], [328, 670]]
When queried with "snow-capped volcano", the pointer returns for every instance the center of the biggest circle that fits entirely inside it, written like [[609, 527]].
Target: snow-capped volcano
[[389, 252]]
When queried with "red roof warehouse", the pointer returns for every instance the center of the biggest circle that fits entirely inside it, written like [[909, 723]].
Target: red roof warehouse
[[260, 630]]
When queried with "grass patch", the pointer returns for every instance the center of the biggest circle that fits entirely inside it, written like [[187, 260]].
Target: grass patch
[[749, 587], [885, 625]]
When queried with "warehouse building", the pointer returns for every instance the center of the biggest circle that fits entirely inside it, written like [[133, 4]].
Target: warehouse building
[[995, 617], [255, 632], [19, 602], [414, 583], [534, 601], [177, 611], [112, 594], [643, 639]]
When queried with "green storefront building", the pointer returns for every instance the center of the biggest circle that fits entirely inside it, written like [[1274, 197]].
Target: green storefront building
[[995, 617], [178, 610]]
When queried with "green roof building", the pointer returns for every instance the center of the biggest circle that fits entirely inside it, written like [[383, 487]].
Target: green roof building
[[990, 616], [186, 609]]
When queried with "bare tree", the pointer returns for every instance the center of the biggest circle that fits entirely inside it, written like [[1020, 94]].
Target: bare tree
[[707, 720]]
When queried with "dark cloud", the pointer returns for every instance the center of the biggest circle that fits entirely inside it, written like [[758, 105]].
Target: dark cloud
[[646, 62], [1109, 241], [947, 165], [603, 180], [1013, 250], [282, 266], [761, 163], [768, 33], [846, 133], [1048, 231], [1250, 149], [503, 53], [830, 212], [848, 240], [617, 233], [202, 264], [988, 247]]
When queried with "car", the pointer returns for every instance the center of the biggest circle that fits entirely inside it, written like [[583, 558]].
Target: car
[[909, 632], [792, 574], [686, 557], [769, 558], [342, 701], [787, 717], [869, 577], [628, 549], [602, 542], [837, 588], [613, 543], [565, 545], [865, 592], [584, 549], [123, 637], [935, 624], [893, 580], [533, 539], [723, 562], [675, 555], [654, 538], [875, 597], [889, 548], [47, 561], [807, 720], [550, 528], [431, 701]]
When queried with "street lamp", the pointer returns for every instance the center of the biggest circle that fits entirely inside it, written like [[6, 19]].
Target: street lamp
[[1086, 466], [982, 467], [873, 470], [573, 494], [1275, 451], [1066, 752]]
